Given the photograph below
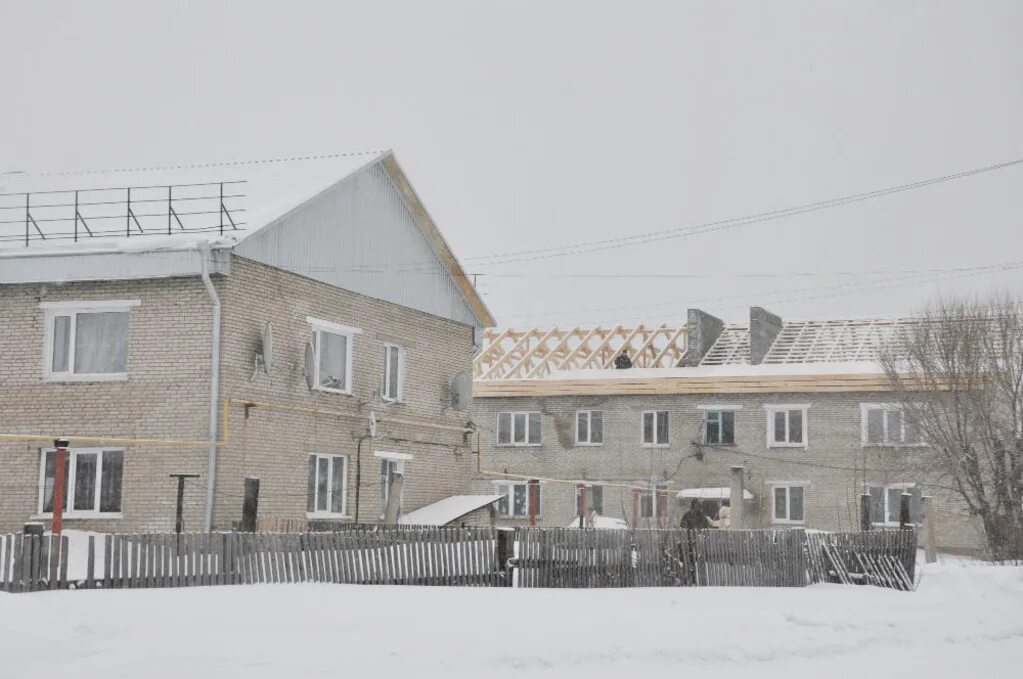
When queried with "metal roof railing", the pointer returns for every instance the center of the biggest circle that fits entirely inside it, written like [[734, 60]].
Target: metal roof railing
[[130, 211]]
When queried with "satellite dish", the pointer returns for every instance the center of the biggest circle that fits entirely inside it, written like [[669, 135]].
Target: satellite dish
[[266, 348], [310, 358], [461, 391]]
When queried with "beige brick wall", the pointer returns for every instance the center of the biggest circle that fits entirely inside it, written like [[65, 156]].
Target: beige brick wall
[[273, 444], [831, 465], [166, 396]]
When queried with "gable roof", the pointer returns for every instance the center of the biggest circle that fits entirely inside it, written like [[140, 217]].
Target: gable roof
[[221, 204]]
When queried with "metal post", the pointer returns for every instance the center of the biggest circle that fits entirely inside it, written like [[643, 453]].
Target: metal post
[[127, 216], [76, 216], [221, 208], [737, 491], [179, 521], [26, 218], [533, 498], [865, 523], [581, 503], [170, 200], [59, 483]]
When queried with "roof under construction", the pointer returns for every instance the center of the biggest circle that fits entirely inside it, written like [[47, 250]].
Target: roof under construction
[[702, 355]]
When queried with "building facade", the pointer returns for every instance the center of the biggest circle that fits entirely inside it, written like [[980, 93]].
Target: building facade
[[810, 423], [295, 364]]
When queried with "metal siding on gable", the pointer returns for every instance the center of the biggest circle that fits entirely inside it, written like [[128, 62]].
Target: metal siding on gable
[[360, 236]]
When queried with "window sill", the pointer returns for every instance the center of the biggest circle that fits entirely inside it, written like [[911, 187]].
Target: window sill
[[86, 377], [655, 445], [518, 445], [393, 401], [583, 444], [322, 516], [719, 445], [788, 445], [327, 390], [79, 516], [786, 522]]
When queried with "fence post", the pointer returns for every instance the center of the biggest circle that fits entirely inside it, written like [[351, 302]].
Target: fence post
[[930, 553], [865, 511], [735, 511]]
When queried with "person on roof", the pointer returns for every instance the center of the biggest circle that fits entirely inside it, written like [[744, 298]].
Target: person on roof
[[622, 360], [695, 519]]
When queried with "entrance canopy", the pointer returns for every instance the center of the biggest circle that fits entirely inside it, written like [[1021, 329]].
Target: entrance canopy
[[711, 493]]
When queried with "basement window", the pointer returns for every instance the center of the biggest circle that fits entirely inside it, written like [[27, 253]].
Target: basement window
[[514, 503], [93, 483], [589, 427], [889, 425], [328, 481], [87, 341], [655, 428], [518, 429]]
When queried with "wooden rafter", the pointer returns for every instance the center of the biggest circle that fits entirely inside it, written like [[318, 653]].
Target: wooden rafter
[[537, 353]]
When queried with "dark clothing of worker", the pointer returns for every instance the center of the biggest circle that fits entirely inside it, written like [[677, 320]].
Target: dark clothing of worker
[[695, 519], [622, 361]]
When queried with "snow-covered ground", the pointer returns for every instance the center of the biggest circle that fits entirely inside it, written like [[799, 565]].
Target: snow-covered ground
[[965, 620]]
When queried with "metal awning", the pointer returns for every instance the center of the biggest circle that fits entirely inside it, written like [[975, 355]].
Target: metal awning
[[723, 493]]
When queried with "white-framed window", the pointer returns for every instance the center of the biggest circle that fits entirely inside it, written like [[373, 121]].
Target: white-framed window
[[787, 425], [393, 386], [332, 355], [87, 341], [653, 503], [515, 500], [788, 502], [886, 503], [390, 464], [719, 427], [518, 429], [93, 482], [596, 499], [655, 428], [328, 486], [889, 424], [589, 427]]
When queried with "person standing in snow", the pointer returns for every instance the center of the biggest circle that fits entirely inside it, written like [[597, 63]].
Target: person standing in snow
[[622, 360], [695, 519]]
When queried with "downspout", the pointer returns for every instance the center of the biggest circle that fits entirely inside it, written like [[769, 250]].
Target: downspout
[[211, 464]]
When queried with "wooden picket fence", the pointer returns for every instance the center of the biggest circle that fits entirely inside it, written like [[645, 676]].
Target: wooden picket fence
[[30, 563], [466, 556], [879, 557], [659, 558]]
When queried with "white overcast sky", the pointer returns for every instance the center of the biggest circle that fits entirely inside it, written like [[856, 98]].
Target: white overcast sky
[[538, 124]]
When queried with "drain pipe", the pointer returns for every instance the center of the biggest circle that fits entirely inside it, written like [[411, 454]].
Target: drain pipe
[[211, 464]]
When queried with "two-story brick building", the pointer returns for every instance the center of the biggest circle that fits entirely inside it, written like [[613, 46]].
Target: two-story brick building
[[802, 406], [294, 323]]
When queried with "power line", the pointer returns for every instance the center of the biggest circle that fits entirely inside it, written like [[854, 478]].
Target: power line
[[923, 277], [586, 247]]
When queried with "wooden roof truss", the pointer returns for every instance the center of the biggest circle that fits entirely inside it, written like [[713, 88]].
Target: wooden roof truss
[[521, 354]]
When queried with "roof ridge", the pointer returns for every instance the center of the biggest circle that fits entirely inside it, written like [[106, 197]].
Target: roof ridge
[[193, 166]]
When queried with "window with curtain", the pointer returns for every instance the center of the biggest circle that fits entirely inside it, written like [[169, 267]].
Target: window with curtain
[[93, 480], [91, 343]]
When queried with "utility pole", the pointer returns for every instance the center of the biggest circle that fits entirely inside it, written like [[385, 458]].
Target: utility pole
[[179, 522], [59, 485]]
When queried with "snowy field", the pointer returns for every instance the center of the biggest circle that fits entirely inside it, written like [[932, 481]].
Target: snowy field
[[965, 620]]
